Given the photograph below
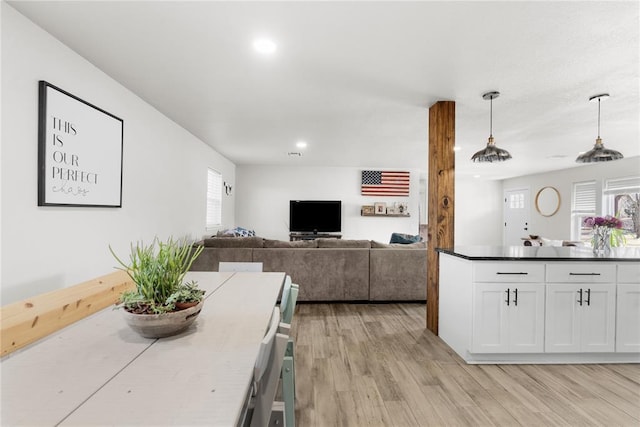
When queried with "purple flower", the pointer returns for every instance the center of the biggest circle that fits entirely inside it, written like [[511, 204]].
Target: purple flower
[[600, 221]]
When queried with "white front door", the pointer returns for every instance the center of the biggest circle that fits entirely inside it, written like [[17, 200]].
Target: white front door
[[516, 216]]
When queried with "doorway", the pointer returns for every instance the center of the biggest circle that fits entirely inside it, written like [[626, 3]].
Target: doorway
[[516, 216]]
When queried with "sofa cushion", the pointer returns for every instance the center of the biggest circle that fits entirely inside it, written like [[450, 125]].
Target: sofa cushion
[[268, 243], [234, 242], [322, 274], [210, 258], [397, 275], [339, 243], [416, 245]]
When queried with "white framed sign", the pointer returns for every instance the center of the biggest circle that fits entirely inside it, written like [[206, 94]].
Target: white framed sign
[[79, 151]]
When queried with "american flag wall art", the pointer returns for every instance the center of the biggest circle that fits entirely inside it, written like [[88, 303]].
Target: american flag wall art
[[385, 183]]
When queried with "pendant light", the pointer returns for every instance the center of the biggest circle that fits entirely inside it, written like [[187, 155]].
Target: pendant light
[[598, 153], [491, 153]]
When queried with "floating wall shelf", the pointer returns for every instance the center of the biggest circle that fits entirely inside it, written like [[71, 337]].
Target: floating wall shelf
[[394, 215]]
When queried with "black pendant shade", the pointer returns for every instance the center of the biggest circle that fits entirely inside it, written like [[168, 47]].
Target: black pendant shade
[[599, 153], [491, 153]]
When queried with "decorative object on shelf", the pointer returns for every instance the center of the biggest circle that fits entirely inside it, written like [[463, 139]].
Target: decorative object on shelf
[[385, 183], [158, 270], [547, 201], [491, 153], [598, 153], [79, 151], [394, 209], [607, 232], [380, 208], [367, 210]]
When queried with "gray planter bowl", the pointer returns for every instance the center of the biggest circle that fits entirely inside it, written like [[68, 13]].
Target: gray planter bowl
[[162, 325]]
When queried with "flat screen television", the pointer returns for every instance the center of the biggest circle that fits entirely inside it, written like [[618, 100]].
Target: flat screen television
[[315, 216]]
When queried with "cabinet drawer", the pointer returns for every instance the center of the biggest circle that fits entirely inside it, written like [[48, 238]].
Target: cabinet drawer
[[508, 272], [581, 272], [629, 273]]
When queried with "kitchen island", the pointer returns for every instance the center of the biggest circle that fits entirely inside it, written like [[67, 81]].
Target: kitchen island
[[521, 304]]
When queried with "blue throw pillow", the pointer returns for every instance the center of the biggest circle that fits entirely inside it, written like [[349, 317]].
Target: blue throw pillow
[[404, 238]]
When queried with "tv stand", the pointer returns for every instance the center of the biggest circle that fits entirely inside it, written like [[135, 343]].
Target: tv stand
[[311, 236]]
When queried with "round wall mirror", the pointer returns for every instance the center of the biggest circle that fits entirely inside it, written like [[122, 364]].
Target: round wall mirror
[[547, 201]]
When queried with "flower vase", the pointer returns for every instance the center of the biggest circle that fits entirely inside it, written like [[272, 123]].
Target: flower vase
[[601, 240]]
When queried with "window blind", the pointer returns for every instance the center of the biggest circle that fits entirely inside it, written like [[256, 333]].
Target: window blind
[[622, 185], [214, 199], [584, 197], [583, 204]]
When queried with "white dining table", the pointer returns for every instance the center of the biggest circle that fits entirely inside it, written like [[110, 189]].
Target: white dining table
[[99, 372]]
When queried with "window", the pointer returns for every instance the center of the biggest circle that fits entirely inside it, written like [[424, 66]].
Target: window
[[582, 206], [516, 201], [214, 199], [622, 199]]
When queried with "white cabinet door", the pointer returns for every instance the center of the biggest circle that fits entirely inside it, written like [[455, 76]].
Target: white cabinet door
[[508, 318], [598, 318], [562, 322], [580, 318], [526, 319], [628, 318], [489, 319]]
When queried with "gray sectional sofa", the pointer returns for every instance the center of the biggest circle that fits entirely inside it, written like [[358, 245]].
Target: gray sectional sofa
[[330, 269]]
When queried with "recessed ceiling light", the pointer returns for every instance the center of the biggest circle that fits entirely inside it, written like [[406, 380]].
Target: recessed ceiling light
[[264, 46], [301, 144], [476, 176], [456, 148]]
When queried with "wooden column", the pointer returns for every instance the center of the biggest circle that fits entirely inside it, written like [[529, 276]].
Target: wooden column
[[442, 138]]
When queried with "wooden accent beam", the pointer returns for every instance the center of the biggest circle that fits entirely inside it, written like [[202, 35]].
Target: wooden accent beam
[[442, 138], [26, 321]]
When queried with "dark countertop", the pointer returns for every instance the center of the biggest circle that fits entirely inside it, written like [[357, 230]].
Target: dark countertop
[[540, 253]]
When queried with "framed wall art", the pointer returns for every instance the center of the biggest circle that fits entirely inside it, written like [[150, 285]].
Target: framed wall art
[[367, 210], [79, 151], [380, 208]]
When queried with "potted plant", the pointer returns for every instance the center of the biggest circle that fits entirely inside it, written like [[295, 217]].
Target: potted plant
[[156, 307]]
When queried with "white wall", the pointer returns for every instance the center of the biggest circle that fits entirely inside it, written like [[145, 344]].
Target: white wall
[[558, 226], [264, 192], [164, 172], [478, 212]]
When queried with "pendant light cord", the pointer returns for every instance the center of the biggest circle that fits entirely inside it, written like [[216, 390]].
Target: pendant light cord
[[598, 118], [491, 118]]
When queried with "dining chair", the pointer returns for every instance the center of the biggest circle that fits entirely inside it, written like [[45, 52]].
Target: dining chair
[[264, 411], [225, 266], [287, 308]]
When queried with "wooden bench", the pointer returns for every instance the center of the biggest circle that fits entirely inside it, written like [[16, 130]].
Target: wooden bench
[[29, 320]]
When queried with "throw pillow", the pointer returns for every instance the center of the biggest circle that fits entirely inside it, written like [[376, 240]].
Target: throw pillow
[[339, 243], [404, 238], [295, 244], [416, 245]]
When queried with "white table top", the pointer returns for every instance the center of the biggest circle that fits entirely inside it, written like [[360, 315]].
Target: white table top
[[99, 372]]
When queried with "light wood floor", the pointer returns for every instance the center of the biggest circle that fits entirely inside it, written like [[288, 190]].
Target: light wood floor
[[377, 365]]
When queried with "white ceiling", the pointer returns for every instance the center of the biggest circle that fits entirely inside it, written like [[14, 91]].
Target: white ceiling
[[355, 79]]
